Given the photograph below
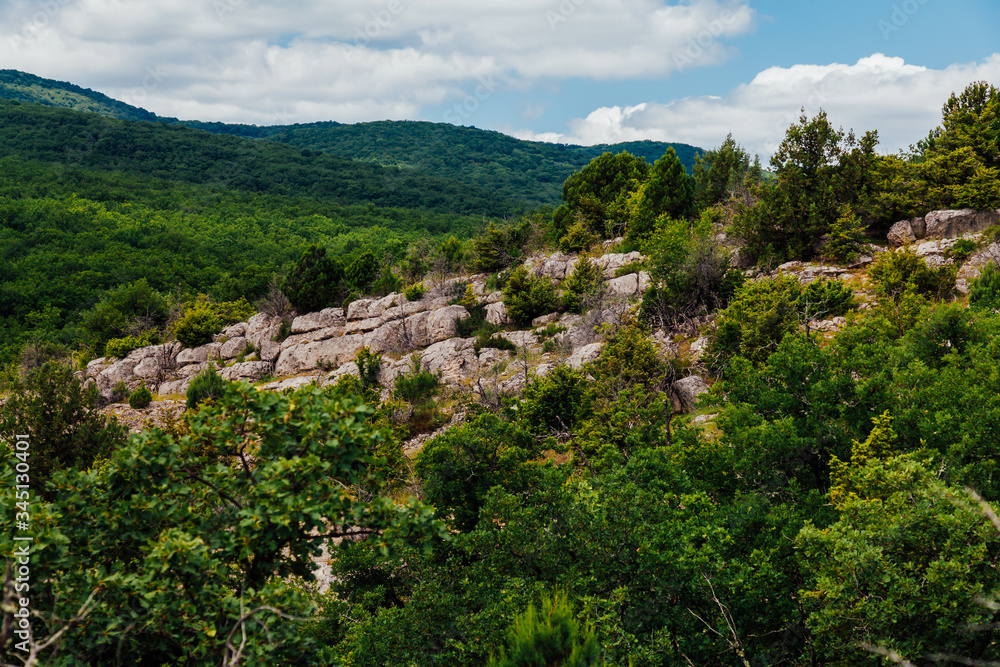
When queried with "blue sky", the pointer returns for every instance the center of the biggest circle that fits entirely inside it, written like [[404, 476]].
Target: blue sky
[[576, 71]]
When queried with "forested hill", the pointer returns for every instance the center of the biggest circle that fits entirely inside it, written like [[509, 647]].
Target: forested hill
[[526, 172], [178, 153], [24, 87]]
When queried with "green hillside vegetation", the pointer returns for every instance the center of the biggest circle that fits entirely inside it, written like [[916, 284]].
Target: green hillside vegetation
[[838, 507], [24, 87], [179, 153], [530, 173]]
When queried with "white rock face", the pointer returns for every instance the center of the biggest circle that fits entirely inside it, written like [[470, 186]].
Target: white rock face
[[455, 359], [147, 369], [611, 263], [233, 347], [496, 313], [174, 387], [324, 319], [238, 330], [259, 325], [947, 224], [901, 233], [248, 370], [625, 286], [689, 389], [289, 383], [585, 355], [199, 355], [545, 320], [120, 371], [358, 310], [333, 351]]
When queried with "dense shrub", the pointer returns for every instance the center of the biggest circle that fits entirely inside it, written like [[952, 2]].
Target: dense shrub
[[203, 319], [120, 347], [140, 398], [552, 636], [690, 274], [60, 415], [897, 272], [207, 385], [825, 299], [985, 290], [584, 282], [362, 272], [418, 385], [415, 292], [499, 247], [756, 321], [369, 367], [527, 296], [315, 281]]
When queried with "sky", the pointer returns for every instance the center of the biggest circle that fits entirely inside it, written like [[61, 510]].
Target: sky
[[569, 71]]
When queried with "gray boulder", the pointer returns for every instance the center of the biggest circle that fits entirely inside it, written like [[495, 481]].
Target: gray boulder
[[901, 233], [309, 356], [949, 224], [689, 389], [324, 319]]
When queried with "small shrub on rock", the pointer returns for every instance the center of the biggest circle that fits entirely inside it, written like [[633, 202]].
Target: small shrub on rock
[[415, 292], [207, 385], [140, 398], [985, 290], [527, 296]]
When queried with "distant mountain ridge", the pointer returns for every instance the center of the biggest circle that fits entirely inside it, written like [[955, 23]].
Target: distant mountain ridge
[[527, 172]]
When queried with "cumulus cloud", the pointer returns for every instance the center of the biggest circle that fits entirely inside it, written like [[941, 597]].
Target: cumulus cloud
[[255, 61], [902, 101]]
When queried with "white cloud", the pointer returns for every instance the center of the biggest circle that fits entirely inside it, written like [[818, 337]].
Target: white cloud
[[903, 102], [348, 60]]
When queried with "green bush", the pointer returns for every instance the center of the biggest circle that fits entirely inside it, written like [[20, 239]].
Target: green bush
[[415, 292], [486, 340], [203, 319], [120, 347], [369, 367], [825, 299], [387, 283], [894, 273], [418, 385], [197, 327], [551, 637], [585, 281], [756, 321], [362, 272], [578, 238], [61, 416], [527, 296], [985, 290], [284, 331], [119, 392], [962, 250], [207, 385], [498, 247], [846, 239], [315, 280], [140, 398]]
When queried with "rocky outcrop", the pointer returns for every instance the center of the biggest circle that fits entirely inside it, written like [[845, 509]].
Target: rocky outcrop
[[942, 225], [689, 390]]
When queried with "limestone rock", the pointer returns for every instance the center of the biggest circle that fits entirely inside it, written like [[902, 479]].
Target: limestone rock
[[120, 371], [174, 387], [358, 310], [901, 233], [238, 330], [544, 320], [248, 370], [190, 371], [454, 359], [441, 325], [289, 383], [611, 263], [585, 355], [312, 336], [949, 224], [97, 366], [625, 286], [333, 351], [324, 319], [260, 324], [496, 313], [494, 297], [233, 347], [269, 351], [147, 369], [199, 355], [689, 389]]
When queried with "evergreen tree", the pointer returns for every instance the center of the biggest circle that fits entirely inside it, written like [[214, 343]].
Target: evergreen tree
[[314, 281]]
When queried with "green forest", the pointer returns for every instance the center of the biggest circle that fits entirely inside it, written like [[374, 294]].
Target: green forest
[[830, 501]]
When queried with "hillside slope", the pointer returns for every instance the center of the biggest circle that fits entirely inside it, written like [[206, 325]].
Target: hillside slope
[[530, 173]]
